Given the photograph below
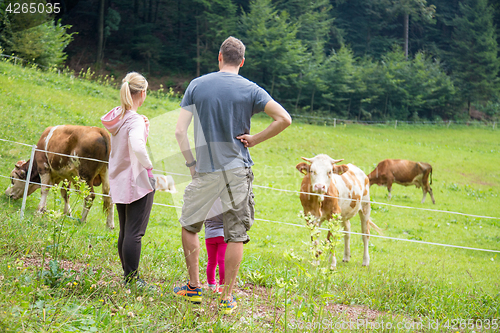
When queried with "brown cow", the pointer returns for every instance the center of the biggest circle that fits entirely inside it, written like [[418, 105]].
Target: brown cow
[[342, 189], [403, 172], [50, 169]]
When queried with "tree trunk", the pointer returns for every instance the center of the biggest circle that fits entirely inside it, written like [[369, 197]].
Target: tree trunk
[[298, 95], [156, 11], [100, 32], [407, 19], [198, 60], [272, 86], [386, 101], [349, 108], [136, 12], [150, 16], [312, 100]]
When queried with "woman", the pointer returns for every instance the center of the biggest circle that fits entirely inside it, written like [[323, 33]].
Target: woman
[[130, 172]]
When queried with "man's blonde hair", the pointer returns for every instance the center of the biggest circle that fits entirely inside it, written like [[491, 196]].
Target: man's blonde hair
[[233, 51]]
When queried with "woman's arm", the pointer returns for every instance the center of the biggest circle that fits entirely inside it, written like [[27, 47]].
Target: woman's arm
[[137, 142]]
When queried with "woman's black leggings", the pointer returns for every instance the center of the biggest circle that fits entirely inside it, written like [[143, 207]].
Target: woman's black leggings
[[134, 219]]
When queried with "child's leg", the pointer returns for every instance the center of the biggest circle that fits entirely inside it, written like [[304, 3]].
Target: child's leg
[[221, 252], [211, 245]]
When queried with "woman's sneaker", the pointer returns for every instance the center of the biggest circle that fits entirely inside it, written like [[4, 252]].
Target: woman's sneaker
[[194, 295], [228, 306]]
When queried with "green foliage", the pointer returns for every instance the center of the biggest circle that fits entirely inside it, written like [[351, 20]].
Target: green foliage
[[475, 62], [35, 38], [274, 53], [112, 22], [215, 21]]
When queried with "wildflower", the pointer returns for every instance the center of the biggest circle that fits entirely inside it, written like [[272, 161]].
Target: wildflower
[[130, 314], [139, 299]]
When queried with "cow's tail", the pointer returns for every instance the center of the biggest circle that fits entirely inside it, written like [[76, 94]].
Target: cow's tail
[[431, 177], [374, 226]]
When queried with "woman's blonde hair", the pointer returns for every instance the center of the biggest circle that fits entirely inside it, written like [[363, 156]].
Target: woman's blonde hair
[[133, 83]]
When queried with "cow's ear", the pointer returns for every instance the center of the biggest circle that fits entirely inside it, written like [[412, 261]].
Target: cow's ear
[[19, 164], [303, 167], [340, 169]]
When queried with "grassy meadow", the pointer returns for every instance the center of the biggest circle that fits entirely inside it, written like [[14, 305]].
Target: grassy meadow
[[424, 288]]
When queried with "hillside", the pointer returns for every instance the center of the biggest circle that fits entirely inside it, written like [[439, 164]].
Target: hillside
[[278, 288]]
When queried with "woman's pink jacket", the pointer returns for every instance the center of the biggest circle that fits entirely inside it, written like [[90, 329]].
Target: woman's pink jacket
[[128, 160]]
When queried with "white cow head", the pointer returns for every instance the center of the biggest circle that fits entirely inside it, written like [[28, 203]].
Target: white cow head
[[320, 171], [16, 189]]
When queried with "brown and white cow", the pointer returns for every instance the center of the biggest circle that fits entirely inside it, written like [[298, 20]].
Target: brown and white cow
[[339, 189], [403, 172], [50, 169]]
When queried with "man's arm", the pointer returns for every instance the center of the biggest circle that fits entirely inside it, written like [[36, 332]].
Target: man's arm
[[182, 138], [281, 121]]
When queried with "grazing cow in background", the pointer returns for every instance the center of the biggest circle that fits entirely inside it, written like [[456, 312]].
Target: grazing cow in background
[[342, 189], [50, 169], [403, 172], [165, 183]]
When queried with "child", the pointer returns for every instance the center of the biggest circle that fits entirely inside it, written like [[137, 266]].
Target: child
[[216, 247], [130, 173]]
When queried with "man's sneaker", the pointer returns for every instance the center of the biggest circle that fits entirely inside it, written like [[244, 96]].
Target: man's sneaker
[[228, 306], [194, 295]]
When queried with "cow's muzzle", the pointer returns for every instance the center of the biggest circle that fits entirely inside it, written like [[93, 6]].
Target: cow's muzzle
[[10, 193], [319, 188]]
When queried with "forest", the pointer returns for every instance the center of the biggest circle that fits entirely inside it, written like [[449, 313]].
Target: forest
[[351, 59]]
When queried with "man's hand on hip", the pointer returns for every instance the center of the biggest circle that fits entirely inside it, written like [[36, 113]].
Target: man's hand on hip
[[248, 140]]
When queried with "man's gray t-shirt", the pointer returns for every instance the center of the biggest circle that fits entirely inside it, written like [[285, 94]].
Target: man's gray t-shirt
[[222, 104]]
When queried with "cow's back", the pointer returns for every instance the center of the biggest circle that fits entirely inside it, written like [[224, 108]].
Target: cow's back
[[353, 186], [79, 141]]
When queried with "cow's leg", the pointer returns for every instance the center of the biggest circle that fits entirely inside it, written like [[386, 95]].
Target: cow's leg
[[364, 214], [65, 195], [424, 190], [347, 241], [389, 187], [87, 203], [432, 195], [45, 180], [106, 199]]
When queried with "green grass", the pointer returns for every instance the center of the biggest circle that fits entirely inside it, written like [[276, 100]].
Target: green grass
[[405, 281]]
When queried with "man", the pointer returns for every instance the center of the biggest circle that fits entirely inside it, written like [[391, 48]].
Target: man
[[222, 104]]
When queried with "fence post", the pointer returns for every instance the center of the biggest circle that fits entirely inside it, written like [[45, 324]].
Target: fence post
[[494, 124], [334, 122], [26, 185], [396, 124]]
